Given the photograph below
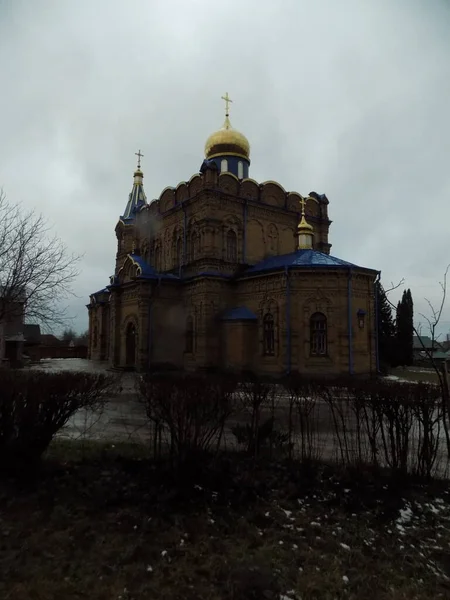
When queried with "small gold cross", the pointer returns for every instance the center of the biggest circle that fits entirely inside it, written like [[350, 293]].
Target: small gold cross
[[139, 155], [227, 104], [303, 203]]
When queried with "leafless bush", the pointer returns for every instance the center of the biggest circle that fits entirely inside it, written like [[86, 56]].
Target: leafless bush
[[34, 406], [340, 401], [193, 410], [253, 397], [429, 421], [386, 424], [304, 409]]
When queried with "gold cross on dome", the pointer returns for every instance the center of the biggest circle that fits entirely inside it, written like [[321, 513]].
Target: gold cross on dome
[[139, 155], [227, 104], [303, 203]]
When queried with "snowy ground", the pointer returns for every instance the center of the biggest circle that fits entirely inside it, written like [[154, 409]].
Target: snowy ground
[[110, 529], [124, 419]]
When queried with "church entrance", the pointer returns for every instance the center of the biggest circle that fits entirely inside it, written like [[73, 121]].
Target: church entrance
[[130, 346]]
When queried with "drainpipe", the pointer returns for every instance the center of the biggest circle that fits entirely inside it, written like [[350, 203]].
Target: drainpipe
[[244, 241], [183, 258], [149, 334], [350, 328], [377, 351], [150, 324], [288, 322]]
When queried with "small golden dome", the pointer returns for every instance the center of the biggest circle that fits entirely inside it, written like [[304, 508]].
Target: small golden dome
[[305, 226], [227, 141], [305, 233]]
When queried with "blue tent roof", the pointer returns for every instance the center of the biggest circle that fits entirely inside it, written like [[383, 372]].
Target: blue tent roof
[[240, 313], [136, 199], [299, 259], [147, 271], [104, 290]]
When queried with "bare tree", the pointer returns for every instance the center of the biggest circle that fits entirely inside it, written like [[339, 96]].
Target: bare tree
[[36, 269], [436, 313], [441, 371]]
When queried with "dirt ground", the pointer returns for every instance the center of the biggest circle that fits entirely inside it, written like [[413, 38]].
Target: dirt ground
[[104, 523]]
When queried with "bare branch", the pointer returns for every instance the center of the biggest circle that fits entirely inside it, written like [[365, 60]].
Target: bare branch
[[36, 269], [394, 286]]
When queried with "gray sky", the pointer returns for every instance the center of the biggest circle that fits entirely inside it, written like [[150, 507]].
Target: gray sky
[[346, 98]]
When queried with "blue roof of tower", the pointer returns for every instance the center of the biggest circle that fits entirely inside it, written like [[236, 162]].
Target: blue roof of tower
[[136, 199], [240, 313], [147, 271], [299, 259]]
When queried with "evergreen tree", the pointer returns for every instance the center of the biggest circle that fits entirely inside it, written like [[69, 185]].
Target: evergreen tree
[[405, 328], [68, 335], [409, 340], [386, 330]]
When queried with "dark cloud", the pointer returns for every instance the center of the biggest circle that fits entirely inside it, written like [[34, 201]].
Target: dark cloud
[[348, 98]]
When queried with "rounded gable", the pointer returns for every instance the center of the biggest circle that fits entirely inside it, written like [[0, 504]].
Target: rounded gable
[[167, 199], [273, 193], [293, 202], [249, 189], [195, 184], [181, 192], [228, 183]]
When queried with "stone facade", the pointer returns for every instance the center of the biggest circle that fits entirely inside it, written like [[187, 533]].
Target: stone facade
[[222, 272], [197, 242]]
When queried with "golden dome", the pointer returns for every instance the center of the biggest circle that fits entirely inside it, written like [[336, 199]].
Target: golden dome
[[305, 231], [227, 141], [305, 226]]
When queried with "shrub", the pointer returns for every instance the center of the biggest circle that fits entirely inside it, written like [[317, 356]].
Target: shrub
[[35, 405], [193, 410], [255, 396]]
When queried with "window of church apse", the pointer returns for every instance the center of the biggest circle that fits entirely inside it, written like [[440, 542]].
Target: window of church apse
[[318, 333], [273, 240], [158, 258], [189, 336], [224, 165], [268, 335], [195, 245], [231, 246], [179, 252]]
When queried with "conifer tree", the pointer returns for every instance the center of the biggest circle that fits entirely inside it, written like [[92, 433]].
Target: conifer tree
[[387, 340], [405, 329]]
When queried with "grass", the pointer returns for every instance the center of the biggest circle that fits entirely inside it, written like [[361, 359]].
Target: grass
[[103, 523], [415, 374]]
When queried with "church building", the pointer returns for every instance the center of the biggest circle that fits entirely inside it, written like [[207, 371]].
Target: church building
[[222, 272]]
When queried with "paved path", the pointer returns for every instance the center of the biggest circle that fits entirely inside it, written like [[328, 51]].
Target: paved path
[[124, 418]]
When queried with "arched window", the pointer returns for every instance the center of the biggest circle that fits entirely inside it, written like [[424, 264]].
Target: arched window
[[240, 170], [268, 335], [189, 336], [158, 258], [95, 337], [179, 252], [318, 333], [273, 240], [130, 345], [224, 165], [195, 245], [231, 246]]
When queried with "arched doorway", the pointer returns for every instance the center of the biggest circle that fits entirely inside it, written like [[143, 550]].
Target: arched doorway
[[130, 345]]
